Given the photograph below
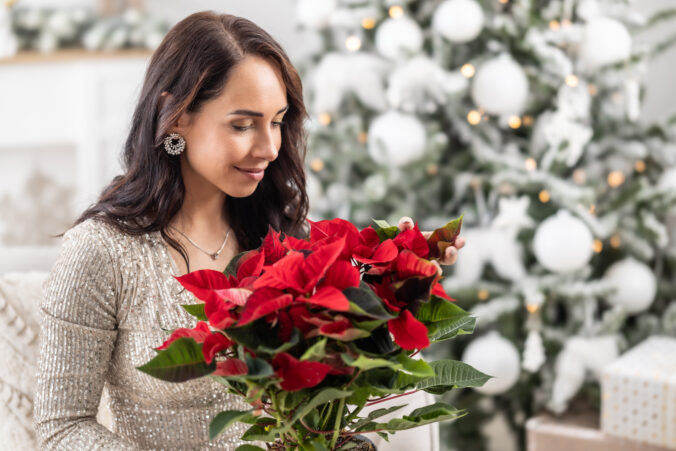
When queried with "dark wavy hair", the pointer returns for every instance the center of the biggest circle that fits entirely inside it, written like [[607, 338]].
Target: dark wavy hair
[[193, 63]]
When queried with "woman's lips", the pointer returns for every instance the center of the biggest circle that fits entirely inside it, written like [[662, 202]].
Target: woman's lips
[[256, 175]]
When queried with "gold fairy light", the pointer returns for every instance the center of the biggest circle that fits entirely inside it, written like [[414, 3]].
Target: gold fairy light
[[544, 196], [532, 307], [514, 122], [615, 179], [324, 118], [353, 43], [362, 137], [639, 166], [317, 164], [396, 11], [554, 25], [572, 80], [482, 294], [598, 246], [615, 241], [10, 3], [467, 70], [566, 23], [474, 117], [504, 2], [432, 169], [592, 209], [368, 23], [592, 89], [528, 120], [531, 164], [580, 176]]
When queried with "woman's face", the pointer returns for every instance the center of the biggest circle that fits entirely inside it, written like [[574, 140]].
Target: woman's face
[[235, 131]]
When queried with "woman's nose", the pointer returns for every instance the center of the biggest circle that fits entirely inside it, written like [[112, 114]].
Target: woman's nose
[[267, 146]]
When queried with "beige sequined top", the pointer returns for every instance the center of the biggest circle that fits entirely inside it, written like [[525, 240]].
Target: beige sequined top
[[106, 302]]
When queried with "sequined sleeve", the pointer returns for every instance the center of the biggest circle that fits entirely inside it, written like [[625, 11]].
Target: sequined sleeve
[[78, 332]]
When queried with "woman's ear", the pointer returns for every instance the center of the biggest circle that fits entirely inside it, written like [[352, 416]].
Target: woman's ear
[[180, 125]]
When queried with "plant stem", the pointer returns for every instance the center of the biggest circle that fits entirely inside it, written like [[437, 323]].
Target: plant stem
[[336, 427], [390, 397]]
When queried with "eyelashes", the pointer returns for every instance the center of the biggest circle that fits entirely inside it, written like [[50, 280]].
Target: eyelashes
[[243, 129]]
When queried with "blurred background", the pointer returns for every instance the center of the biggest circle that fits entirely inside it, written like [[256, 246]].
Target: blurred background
[[550, 125]]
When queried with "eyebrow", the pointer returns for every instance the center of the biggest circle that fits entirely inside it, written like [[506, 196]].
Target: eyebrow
[[255, 113]]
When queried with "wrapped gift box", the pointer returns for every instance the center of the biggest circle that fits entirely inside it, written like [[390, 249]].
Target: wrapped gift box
[[639, 393], [576, 432]]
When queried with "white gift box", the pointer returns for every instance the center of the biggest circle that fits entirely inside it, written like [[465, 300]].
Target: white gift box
[[639, 393]]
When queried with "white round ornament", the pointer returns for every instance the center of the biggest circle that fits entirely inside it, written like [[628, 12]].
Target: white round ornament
[[458, 20], [315, 14], [395, 139], [496, 356], [605, 41], [563, 243], [635, 285], [398, 38], [500, 86]]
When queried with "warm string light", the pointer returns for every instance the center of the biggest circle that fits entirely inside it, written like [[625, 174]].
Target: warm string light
[[396, 11], [566, 23], [639, 166], [467, 70], [432, 169], [615, 241], [615, 179], [572, 80], [504, 2], [592, 209], [598, 246], [544, 196], [531, 164], [514, 122], [482, 294], [474, 117], [554, 25], [324, 118], [362, 137], [368, 23], [317, 164], [528, 120], [532, 307], [580, 176], [353, 43], [592, 89]]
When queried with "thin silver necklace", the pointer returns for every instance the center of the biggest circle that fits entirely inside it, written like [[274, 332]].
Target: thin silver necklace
[[213, 255]]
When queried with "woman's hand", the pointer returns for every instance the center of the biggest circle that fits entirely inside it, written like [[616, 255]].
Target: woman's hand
[[451, 254]]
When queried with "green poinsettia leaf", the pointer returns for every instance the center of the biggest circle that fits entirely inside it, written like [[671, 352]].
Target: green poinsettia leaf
[[449, 374], [358, 425], [231, 269], [196, 310], [385, 230], [366, 363], [224, 419], [439, 309], [443, 237], [415, 367], [424, 415], [259, 337], [181, 361], [249, 447], [450, 328], [324, 396], [363, 301], [315, 352]]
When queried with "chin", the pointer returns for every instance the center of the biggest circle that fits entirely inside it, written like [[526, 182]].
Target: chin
[[241, 193]]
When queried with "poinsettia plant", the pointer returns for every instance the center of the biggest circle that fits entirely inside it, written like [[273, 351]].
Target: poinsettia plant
[[310, 331]]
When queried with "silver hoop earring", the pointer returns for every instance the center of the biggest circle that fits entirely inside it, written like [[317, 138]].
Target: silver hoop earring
[[174, 144]]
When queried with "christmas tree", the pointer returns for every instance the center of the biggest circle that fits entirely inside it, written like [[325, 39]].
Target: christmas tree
[[525, 116]]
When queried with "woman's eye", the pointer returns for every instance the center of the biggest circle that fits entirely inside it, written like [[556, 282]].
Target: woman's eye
[[279, 123], [241, 128]]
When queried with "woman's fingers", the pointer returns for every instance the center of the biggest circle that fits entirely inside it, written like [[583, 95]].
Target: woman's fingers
[[451, 254], [405, 223]]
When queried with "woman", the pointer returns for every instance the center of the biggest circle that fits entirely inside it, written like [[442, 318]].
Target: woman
[[214, 156]]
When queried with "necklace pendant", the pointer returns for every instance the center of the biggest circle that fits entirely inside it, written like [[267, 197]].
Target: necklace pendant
[[213, 256]]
